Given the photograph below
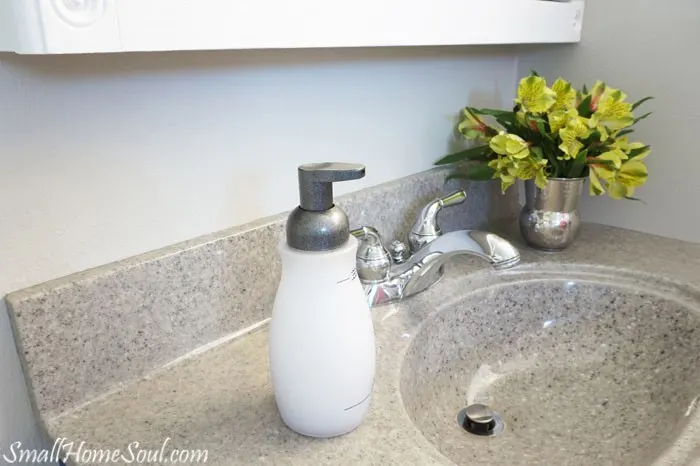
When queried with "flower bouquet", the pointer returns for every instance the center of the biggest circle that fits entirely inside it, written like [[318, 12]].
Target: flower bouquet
[[555, 138], [556, 132]]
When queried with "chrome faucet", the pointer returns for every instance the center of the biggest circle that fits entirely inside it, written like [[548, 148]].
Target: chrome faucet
[[391, 276]]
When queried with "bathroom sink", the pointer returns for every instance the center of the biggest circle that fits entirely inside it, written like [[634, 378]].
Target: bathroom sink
[[580, 372]]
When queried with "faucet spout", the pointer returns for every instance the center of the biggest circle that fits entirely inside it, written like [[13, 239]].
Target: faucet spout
[[426, 267], [488, 246]]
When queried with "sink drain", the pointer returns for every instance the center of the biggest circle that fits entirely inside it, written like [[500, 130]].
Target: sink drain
[[480, 420]]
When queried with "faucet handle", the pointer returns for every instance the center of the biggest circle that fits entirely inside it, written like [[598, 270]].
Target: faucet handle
[[399, 252], [451, 199], [373, 260], [426, 228]]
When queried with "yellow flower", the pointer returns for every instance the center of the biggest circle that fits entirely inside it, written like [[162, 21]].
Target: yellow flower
[[510, 145], [570, 146], [596, 94], [577, 124], [575, 129], [609, 109], [631, 175], [508, 169], [596, 174], [621, 183], [563, 108], [472, 127], [534, 96], [627, 147], [616, 156], [529, 168], [557, 120], [565, 95], [505, 170]]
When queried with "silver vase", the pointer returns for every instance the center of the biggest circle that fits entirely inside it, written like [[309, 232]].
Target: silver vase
[[550, 220]]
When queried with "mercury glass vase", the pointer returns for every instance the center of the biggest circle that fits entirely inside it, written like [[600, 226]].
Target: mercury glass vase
[[550, 219]]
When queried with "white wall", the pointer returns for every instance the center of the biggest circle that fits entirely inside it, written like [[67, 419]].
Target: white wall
[[107, 156], [645, 47]]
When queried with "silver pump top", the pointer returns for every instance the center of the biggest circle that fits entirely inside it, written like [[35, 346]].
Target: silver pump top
[[317, 224]]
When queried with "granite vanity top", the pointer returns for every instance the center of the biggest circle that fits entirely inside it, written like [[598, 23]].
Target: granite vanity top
[[221, 399]]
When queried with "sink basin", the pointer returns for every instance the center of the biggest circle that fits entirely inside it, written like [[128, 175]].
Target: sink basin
[[581, 373]]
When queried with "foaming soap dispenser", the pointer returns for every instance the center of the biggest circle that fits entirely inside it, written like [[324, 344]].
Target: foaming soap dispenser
[[322, 352]]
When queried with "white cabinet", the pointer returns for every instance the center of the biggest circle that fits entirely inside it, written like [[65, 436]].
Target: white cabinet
[[85, 26]]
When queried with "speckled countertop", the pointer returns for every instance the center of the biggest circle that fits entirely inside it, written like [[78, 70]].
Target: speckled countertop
[[221, 399]]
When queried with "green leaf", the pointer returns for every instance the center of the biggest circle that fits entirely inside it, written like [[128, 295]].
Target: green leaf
[[473, 153], [533, 73], [584, 90], [593, 138], [496, 113], [507, 124], [635, 152], [578, 165], [640, 102], [537, 151], [638, 119], [608, 163], [630, 198], [476, 172], [541, 128], [596, 150], [584, 108], [555, 165], [624, 132]]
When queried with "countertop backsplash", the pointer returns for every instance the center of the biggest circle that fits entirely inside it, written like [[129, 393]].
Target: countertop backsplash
[[89, 333]]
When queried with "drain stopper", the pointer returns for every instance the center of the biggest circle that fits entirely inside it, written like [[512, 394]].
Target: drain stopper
[[479, 419]]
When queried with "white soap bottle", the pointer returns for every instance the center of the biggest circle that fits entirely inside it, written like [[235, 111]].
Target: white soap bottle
[[322, 351]]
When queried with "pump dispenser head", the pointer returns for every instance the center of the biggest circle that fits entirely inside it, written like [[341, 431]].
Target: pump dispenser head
[[317, 224]]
